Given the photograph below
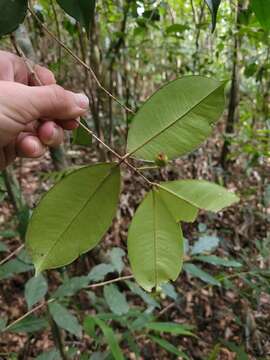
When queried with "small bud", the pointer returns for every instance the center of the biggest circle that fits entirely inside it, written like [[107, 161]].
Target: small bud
[[161, 160]]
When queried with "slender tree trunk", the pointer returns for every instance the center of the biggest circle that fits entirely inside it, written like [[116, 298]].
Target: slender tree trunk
[[233, 113], [17, 199]]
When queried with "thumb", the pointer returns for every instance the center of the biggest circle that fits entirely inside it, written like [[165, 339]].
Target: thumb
[[54, 102]]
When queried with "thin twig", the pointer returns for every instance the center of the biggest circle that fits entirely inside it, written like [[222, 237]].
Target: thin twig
[[29, 313], [45, 303], [122, 278], [121, 158], [29, 64], [11, 254], [59, 37], [99, 140], [80, 61]]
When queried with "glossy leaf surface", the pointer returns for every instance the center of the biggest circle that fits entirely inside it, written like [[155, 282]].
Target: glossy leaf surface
[[155, 243], [35, 290], [73, 216], [197, 272], [205, 244], [262, 11], [81, 10], [65, 319], [12, 14], [31, 324], [177, 118], [115, 299], [213, 7], [217, 261]]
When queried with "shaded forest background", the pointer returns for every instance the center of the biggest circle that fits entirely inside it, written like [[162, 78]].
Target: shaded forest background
[[222, 298]]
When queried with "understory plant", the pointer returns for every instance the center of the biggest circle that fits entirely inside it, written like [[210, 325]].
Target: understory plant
[[74, 215]]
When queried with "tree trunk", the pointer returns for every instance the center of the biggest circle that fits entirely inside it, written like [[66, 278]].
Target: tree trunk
[[233, 113]]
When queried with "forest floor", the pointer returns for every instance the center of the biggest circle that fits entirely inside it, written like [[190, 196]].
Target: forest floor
[[238, 313]]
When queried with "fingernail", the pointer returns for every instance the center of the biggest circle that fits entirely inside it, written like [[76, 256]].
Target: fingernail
[[36, 147], [55, 133], [82, 101]]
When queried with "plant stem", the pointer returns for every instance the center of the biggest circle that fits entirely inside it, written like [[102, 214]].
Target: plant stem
[[28, 313], [59, 37], [81, 62], [57, 337], [122, 278], [45, 303], [123, 159], [11, 254]]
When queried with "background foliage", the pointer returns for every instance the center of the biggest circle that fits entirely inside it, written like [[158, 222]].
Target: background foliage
[[220, 304]]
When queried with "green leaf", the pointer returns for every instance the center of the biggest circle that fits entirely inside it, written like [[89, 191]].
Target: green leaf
[[170, 327], [73, 215], [116, 258], [99, 272], [169, 290], [198, 193], [143, 295], [176, 28], [81, 136], [81, 10], [140, 321], [205, 244], [89, 326], [71, 286], [14, 266], [65, 319], [213, 7], [155, 243], [50, 355], [197, 272], [8, 234], [177, 118], [262, 11], [35, 290], [12, 14], [215, 260], [180, 209], [110, 338], [3, 323], [3, 247], [31, 324], [168, 346], [116, 300]]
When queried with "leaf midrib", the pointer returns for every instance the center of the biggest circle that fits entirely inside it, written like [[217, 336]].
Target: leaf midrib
[[74, 218], [175, 121]]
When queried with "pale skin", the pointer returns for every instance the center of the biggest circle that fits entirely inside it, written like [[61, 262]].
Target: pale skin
[[33, 118]]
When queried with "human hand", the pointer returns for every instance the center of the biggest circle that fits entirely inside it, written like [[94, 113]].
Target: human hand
[[33, 117]]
